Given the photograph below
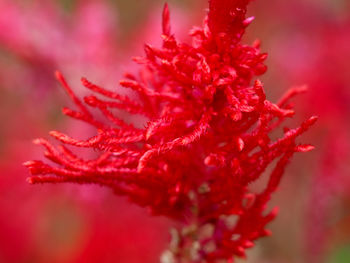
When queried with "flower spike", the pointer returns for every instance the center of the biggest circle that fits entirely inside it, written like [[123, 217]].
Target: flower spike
[[206, 140]]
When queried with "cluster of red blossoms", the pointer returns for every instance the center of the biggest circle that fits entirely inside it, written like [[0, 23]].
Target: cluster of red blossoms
[[206, 141]]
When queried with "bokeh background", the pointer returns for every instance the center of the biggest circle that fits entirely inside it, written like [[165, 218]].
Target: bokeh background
[[308, 42]]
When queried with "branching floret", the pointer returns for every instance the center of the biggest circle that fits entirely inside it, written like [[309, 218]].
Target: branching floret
[[206, 140]]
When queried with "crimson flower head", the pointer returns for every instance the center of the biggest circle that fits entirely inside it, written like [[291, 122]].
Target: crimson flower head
[[206, 140]]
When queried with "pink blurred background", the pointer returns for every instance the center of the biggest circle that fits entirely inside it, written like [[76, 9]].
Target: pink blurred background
[[308, 42]]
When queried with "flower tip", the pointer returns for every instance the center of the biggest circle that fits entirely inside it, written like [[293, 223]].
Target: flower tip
[[28, 163], [37, 141], [303, 88], [90, 100], [66, 110], [30, 180], [248, 244], [240, 144], [289, 113], [54, 134], [58, 75], [166, 20], [311, 120], [275, 212], [166, 7], [57, 135], [305, 148], [267, 232], [248, 21], [84, 81], [258, 83], [34, 166], [148, 134], [257, 43], [241, 252], [139, 168]]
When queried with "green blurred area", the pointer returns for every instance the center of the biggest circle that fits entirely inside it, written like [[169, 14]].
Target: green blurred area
[[131, 13], [340, 255]]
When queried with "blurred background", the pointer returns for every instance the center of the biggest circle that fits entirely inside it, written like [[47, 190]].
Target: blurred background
[[308, 42]]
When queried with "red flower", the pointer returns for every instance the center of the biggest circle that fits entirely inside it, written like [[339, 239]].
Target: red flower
[[206, 140]]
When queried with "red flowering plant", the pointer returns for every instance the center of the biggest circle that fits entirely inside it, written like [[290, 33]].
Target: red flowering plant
[[206, 140]]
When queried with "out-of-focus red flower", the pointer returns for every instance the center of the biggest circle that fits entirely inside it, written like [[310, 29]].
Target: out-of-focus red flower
[[329, 88], [207, 137], [314, 50], [39, 37], [330, 187]]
